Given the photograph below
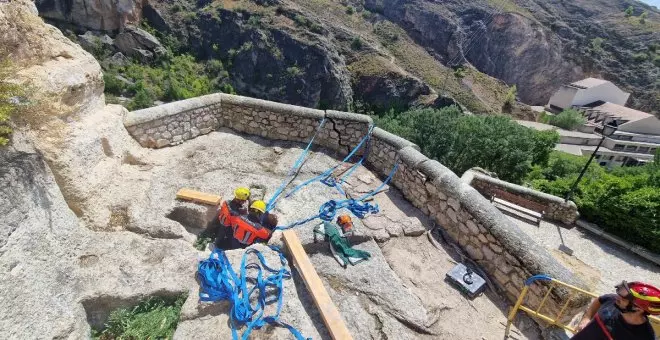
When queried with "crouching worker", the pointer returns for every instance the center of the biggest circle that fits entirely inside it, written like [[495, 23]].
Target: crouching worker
[[257, 214], [621, 316], [238, 206], [250, 229], [340, 247]]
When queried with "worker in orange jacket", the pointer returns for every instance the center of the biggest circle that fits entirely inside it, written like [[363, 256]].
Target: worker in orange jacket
[[256, 227], [238, 206]]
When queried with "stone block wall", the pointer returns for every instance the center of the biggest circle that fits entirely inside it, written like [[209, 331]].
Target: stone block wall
[[555, 208], [493, 241], [173, 123]]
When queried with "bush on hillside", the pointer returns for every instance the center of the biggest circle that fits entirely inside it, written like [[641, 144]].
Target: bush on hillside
[[624, 201], [568, 119], [356, 43], [461, 142], [641, 57]]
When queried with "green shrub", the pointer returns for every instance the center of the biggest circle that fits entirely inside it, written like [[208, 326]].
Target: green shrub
[[656, 60], [356, 43], [624, 201], [641, 57], [643, 17], [597, 44], [294, 71], [154, 318], [143, 98], [8, 91], [459, 73], [510, 98], [629, 11], [568, 119], [461, 142], [653, 47], [350, 10], [227, 88], [113, 85]]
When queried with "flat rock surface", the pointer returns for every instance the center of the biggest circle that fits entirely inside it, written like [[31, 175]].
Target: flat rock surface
[[421, 268]]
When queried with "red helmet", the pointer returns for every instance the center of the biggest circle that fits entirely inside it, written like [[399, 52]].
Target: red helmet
[[644, 296]]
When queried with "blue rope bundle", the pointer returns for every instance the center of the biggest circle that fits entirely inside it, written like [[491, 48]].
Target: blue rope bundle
[[218, 281], [359, 207]]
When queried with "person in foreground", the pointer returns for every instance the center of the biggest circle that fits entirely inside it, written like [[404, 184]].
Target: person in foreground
[[621, 316]]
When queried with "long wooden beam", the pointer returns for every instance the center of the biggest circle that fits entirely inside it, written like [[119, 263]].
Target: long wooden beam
[[331, 317], [199, 197]]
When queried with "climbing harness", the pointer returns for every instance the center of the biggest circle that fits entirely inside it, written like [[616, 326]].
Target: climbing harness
[[218, 281]]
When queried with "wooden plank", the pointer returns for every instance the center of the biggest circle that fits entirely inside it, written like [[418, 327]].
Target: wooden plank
[[655, 323], [331, 317], [198, 197]]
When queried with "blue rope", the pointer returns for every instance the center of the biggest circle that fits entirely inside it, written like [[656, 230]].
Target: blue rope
[[359, 207], [218, 281], [540, 277], [328, 172], [294, 169]]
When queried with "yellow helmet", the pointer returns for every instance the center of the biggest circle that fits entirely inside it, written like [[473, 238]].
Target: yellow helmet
[[242, 193], [259, 206]]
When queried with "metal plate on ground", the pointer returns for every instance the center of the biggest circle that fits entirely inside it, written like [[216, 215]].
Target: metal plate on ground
[[467, 281]]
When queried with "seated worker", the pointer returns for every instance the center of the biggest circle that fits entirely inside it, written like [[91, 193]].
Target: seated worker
[[621, 316], [257, 214], [250, 229], [340, 247], [238, 206]]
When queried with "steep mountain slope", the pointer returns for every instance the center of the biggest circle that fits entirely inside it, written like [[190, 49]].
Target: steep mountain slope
[[376, 54], [539, 44]]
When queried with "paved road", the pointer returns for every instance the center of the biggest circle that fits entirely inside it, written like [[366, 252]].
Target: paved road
[[613, 262]]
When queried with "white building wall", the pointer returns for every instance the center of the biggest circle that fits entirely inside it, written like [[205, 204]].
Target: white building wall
[[606, 92], [563, 98]]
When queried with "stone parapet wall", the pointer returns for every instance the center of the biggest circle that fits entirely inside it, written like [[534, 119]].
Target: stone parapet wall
[[493, 241], [554, 208], [173, 123]]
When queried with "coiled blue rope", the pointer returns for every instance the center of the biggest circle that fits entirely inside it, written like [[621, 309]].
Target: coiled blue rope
[[218, 281]]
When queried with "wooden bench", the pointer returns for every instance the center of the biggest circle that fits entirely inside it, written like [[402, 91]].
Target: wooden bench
[[520, 207]]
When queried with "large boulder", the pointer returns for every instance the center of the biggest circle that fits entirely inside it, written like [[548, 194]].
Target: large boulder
[[64, 273], [62, 77], [139, 43]]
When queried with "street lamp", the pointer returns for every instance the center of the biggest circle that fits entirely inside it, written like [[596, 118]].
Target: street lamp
[[608, 130]]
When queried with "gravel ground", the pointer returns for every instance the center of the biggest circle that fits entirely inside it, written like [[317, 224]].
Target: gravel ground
[[613, 262]]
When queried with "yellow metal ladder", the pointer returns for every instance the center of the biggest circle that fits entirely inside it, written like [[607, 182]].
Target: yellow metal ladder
[[556, 321]]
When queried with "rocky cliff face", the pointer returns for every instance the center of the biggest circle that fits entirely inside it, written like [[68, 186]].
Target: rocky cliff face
[[537, 45], [296, 51], [270, 63], [103, 15]]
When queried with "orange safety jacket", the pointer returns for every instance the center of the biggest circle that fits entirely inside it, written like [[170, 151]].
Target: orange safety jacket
[[244, 231], [247, 232]]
